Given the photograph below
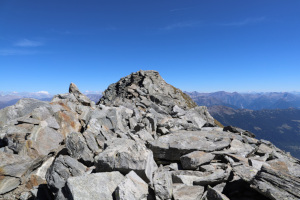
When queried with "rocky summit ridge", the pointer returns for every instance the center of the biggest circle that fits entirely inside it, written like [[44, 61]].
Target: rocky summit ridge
[[144, 139]]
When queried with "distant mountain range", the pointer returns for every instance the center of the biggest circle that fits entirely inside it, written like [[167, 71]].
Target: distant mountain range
[[252, 101], [280, 126]]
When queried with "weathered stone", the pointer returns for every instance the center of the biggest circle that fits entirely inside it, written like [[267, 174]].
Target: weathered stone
[[162, 181], [12, 168], [264, 149], [213, 194], [132, 187], [68, 122], [173, 146], [145, 135], [78, 148], [96, 186], [184, 192], [61, 169], [20, 109], [195, 159], [275, 184], [84, 100], [245, 172], [44, 140], [239, 131], [125, 155], [8, 183], [217, 176], [237, 147]]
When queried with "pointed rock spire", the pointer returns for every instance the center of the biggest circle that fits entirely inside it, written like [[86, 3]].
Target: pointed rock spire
[[84, 100]]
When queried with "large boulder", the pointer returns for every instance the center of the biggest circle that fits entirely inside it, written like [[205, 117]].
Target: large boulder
[[132, 187], [60, 171], [172, 146], [125, 155], [96, 186]]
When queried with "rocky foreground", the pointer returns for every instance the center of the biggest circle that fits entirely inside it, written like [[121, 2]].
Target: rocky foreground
[[145, 139]]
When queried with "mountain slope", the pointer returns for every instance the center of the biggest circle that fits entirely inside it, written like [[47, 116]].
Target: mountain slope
[[280, 126]]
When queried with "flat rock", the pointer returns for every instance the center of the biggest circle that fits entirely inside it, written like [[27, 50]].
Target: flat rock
[[173, 146], [276, 184], [97, 186], [195, 159], [184, 192]]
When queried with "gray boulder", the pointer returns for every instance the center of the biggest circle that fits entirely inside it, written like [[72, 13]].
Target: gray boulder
[[96, 186], [195, 159], [132, 187], [184, 192], [78, 148], [173, 146], [60, 171], [275, 183], [20, 109], [162, 181], [84, 100], [125, 155]]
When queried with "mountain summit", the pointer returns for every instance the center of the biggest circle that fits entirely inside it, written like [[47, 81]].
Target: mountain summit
[[145, 87], [144, 139]]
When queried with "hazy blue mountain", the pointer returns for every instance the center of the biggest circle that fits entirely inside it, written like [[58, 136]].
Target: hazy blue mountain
[[253, 101], [94, 97], [280, 126]]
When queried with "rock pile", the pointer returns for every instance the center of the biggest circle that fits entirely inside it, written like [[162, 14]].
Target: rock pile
[[144, 139]]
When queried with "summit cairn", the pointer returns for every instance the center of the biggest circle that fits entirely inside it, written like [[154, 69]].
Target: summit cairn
[[144, 139]]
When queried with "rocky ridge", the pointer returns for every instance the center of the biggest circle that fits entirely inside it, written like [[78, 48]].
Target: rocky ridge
[[144, 139]]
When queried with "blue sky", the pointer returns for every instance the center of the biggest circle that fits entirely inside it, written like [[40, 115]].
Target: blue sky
[[196, 45]]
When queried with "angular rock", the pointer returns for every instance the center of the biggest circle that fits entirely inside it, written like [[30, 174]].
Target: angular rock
[[239, 131], [264, 149], [78, 148], [125, 155], [43, 140], [84, 100], [132, 187], [217, 176], [162, 181], [20, 109], [60, 171], [213, 194], [184, 192], [8, 183], [237, 147], [276, 184], [96, 186], [195, 159], [12, 168], [173, 146]]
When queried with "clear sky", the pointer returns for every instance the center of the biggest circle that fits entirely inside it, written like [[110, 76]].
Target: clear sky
[[201, 45]]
